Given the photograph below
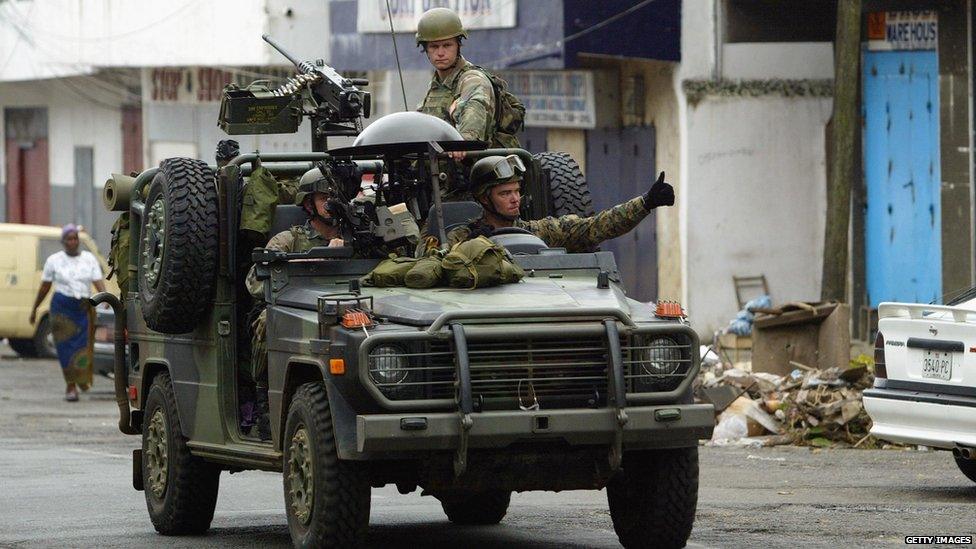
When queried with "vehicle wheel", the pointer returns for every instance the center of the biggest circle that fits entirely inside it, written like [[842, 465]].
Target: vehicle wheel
[[968, 467], [326, 499], [179, 246], [476, 508], [23, 347], [569, 192], [181, 490], [653, 498], [43, 342]]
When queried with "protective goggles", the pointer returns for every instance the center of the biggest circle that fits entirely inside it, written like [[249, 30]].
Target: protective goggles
[[507, 168]]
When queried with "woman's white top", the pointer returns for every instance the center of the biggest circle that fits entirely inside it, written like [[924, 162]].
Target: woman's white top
[[72, 275]]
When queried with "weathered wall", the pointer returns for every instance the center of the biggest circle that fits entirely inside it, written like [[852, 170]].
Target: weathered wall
[[756, 200], [90, 117], [68, 36]]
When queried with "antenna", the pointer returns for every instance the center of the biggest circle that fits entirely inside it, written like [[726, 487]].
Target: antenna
[[403, 90]]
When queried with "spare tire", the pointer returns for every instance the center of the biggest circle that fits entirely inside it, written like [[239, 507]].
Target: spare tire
[[178, 247], [568, 190]]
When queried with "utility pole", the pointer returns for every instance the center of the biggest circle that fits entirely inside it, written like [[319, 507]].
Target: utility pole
[[840, 172]]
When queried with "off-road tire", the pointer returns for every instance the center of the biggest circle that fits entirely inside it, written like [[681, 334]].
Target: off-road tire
[[653, 498], [339, 514], [568, 191], [38, 346], [967, 467], [190, 496], [185, 284], [476, 508], [23, 347]]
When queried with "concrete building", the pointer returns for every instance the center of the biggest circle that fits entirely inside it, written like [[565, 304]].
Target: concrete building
[[731, 98]]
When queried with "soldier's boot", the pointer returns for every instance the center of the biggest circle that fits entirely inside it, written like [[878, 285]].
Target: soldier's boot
[[263, 414]]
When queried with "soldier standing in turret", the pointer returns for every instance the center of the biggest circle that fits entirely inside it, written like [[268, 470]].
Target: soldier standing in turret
[[460, 92]]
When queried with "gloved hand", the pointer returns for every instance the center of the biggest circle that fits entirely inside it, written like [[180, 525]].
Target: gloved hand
[[660, 194]]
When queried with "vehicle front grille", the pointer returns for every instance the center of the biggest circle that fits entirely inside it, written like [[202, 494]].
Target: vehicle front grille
[[550, 373]]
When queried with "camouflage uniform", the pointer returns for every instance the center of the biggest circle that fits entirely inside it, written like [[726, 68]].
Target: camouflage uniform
[[575, 233], [472, 97], [299, 238]]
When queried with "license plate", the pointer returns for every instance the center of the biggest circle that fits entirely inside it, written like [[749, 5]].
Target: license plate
[[937, 365]]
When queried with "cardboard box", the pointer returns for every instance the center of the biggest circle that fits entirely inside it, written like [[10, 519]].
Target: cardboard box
[[816, 335]]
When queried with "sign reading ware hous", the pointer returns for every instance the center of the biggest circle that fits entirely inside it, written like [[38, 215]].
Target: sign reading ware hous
[[903, 30], [372, 15]]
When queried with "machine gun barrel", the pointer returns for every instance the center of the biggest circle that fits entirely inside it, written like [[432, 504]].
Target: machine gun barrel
[[303, 67]]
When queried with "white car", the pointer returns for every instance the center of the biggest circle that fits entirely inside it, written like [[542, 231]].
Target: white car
[[925, 378]]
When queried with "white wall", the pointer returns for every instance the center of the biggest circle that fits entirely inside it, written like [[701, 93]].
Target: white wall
[[48, 38], [73, 121], [793, 60], [756, 195]]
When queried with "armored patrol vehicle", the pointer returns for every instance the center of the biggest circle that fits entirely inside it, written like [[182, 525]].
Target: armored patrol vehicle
[[558, 382]]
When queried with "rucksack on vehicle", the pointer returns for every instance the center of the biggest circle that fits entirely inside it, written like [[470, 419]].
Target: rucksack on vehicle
[[509, 110], [118, 255]]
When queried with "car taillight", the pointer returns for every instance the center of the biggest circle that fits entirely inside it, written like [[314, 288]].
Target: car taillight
[[879, 358]]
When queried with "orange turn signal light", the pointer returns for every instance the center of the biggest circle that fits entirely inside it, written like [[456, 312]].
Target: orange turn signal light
[[356, 319], [669, 309], [133, 392], [337, 366]]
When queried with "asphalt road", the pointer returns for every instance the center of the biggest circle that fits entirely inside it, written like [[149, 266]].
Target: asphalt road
[[65, 481]]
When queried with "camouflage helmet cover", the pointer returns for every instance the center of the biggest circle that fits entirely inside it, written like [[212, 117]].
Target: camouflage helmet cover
[[317, 180], [439, 24], [495, 170]]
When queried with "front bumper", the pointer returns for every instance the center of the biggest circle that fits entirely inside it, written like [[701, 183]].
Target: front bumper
[[914, 417], [646, 427]]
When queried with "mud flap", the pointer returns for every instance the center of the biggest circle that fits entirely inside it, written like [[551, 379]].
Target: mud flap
[[137, 482]]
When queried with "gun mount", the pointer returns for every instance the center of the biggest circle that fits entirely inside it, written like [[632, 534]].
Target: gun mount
[[334, 104]]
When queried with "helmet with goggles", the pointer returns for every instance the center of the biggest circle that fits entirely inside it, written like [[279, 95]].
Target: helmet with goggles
[[491, 171]]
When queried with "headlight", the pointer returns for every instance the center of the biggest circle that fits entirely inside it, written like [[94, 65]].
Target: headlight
[[387, 365], [655, 364]]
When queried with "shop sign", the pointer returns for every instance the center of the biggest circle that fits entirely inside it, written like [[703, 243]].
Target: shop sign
[[203, 84], [372, 15], [554, 99], [903, 30]]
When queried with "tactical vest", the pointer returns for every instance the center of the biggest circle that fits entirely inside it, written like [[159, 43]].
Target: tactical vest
[[505, 120]]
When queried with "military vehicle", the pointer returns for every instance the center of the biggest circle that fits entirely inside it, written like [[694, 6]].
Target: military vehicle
[[558, 382]]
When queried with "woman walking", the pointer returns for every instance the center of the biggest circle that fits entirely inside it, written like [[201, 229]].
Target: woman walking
[[72, 273]]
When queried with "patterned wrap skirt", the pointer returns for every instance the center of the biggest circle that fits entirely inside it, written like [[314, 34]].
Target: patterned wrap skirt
[[73, 327]]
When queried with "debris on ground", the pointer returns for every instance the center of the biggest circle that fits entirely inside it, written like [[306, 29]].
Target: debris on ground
[[808, 406]]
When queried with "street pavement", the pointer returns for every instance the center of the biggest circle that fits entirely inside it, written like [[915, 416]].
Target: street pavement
[[65, 481]]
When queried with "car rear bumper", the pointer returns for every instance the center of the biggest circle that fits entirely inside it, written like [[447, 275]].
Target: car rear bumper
[[916, 417], [646, 427]]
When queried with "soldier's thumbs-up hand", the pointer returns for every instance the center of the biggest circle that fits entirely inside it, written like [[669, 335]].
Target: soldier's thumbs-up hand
[[660, 194]]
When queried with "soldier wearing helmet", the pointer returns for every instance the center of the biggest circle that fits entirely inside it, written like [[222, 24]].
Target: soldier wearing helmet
[[317, 189], [460, 93], [496, 183]]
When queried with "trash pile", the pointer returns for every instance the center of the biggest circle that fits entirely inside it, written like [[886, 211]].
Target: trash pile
[[807, 407]]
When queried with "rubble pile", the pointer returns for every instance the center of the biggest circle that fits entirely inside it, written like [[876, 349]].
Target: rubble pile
[[807, 407]]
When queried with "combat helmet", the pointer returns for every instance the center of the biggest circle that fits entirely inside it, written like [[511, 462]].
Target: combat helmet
[[317, 180], [439, 24], [494, 170]]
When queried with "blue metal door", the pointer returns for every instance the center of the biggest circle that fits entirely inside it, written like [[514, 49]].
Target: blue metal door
[[903, 242]]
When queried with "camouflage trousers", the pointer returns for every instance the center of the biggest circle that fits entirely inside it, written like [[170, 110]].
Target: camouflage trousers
[[259, 349]]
